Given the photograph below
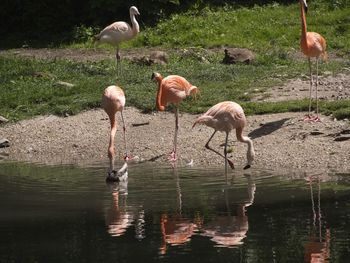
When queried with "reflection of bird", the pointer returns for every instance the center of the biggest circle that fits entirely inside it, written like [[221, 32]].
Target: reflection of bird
[[118, 219], [317, 248], [312, 45], [113, 100], [172, 89], [119, 32], [226, 116], [176, 229], [230, 229]]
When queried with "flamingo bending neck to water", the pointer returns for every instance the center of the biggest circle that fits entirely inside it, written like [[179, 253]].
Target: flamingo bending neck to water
[[226, 116], [172, 89], [113, 100], [119, 32], [312, 45]]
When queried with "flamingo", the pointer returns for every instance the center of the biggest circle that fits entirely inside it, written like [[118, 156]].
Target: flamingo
[[113, 100], [312, 45], [172, 89], [119, 32], [226, 116]]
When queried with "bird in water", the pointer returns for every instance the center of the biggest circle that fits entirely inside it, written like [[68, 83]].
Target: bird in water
[[118, 32], [312, 45], [113, 100], [172, 89], [226, 116]]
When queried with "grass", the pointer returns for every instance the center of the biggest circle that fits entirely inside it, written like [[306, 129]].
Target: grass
[[29, 87], [263, 29]]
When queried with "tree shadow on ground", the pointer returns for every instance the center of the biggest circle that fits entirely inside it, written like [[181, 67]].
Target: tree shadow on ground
[[267, 128]]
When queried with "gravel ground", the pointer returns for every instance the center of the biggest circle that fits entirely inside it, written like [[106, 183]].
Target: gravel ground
[[281, 141]]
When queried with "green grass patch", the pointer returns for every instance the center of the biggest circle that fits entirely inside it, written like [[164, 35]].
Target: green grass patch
[[31, 87], [262, 28]]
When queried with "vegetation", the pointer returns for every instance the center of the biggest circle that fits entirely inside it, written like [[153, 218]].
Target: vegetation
[[30, 87]]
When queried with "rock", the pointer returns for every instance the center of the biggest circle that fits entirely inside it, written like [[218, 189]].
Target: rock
[[64, 84], [4, 143], [156, 57], [235, 55], [3, 120], [159, 57]]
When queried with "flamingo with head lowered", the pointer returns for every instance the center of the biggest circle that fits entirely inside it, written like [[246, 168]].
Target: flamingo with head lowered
[[172, 89], [226, 116], [312, 45], [119, 32], [113, 100]]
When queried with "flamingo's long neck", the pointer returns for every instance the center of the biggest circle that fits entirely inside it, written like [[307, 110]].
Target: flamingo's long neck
[[250, 151], [135, 25], [247, 140], [303, 23], [160, 107], [111, 150]]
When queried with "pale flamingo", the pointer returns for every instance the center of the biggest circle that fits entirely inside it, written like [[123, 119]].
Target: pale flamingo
[[312, 45], [226, 116], [119, 32], [113, 100], [172, 89]]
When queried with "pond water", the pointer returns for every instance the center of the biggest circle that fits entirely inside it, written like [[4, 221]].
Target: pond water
[[162, 214]]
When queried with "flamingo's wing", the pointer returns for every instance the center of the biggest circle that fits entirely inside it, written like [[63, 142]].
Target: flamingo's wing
[[120, 26]]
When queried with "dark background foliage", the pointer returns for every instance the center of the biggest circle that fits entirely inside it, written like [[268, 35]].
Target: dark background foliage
[[52, 22]]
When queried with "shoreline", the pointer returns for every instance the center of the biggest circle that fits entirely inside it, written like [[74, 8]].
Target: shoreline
[[281, 141]]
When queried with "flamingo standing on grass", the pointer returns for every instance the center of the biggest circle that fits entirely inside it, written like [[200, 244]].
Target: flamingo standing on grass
[[119, 32], [172, 89], [113, 100], [226, 116], [312, 45]]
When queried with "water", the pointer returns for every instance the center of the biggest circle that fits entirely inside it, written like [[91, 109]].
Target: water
[[69, 214]]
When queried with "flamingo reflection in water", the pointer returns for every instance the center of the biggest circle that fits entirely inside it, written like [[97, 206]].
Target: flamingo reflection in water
[[317, 248], [120, 216], [229, 229], [175, 228]]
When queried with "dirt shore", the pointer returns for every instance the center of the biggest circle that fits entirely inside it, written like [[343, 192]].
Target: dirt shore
[[281, 141]]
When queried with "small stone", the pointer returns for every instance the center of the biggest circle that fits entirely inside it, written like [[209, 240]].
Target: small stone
[[4, 143], [3, 120]]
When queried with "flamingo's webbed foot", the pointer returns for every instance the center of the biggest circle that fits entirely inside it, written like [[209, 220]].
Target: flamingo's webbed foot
[[312, 118], [308, 117], [172, 156], [316, 119]]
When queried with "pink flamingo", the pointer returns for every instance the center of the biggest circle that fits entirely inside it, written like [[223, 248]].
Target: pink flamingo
[[226, 116], [172, 89], [119, 32], [113, 100], [312, 45]]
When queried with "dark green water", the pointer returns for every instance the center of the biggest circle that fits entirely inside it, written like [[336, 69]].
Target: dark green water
[[69, 214]]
